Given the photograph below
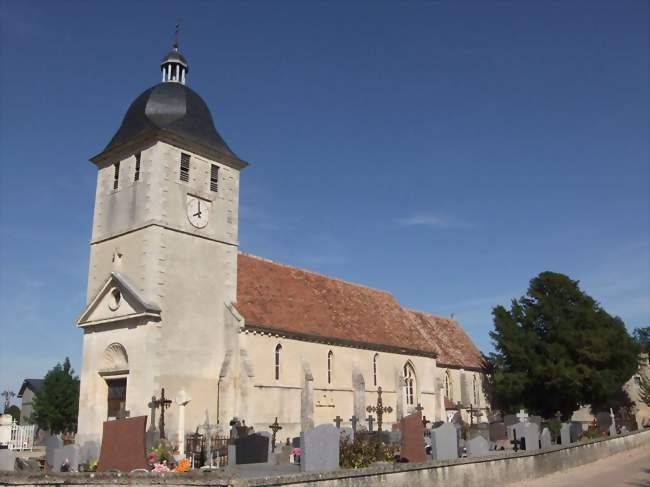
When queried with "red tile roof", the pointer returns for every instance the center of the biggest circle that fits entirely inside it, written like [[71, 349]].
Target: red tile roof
[[299, 302]]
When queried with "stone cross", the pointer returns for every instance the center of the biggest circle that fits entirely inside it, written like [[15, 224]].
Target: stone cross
[[354, 420], [208, 428], [182, 399], [162, 403], [379, 409], [338, 420], [370, 420], [275, 427], [522, 416]]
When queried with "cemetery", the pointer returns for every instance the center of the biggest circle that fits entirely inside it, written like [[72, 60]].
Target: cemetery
[[514, 447]]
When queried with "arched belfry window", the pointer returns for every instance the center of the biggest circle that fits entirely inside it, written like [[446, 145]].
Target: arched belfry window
[[330, 364], [278, 351], [410, 384], [448, 388], [375, 359]]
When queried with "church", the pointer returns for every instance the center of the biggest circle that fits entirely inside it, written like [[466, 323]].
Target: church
[[173, 303]]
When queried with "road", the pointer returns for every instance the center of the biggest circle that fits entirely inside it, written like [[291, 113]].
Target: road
[[631, 468]]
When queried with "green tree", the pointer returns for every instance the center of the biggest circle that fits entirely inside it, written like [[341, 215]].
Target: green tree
[[642, 337], [14, 411], [56, 405], [556, 348]]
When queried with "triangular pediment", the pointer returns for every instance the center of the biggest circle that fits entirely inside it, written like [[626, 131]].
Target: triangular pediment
[[117, 300]]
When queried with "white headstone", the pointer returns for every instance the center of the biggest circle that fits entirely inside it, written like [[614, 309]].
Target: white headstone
[[477, 447], [320, 449], [545, 439], [531, 435], [565, 434], [444, 442]]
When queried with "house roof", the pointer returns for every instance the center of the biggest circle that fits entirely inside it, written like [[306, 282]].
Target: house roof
[[33, 384], [283, 299]]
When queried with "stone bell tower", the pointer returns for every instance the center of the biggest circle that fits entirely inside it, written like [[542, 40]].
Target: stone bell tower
[[163, 258]]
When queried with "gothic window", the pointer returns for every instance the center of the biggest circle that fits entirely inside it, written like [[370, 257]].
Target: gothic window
[[448, 388], [214, 178], [330, 360], [476, 395], [375, 359], [278, 350], [136, 176], [185, 167], [116, 175], [410, 383]]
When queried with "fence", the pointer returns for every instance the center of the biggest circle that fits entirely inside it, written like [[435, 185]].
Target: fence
[[22, 437], [196, 449]]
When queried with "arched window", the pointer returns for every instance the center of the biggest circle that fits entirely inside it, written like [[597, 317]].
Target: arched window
[[448, 388], [410, 383], [278, 350], [476, 395], [375, 359], [330, 360]]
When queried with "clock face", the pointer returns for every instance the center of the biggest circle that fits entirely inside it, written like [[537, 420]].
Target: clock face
[[198, 211]]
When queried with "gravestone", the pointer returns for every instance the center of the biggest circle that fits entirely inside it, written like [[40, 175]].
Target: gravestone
[[7, 460], [295, 442], [545, 439], [123, 445], [477, 447], [444, 442], [320, 449], [252, 449], [565, 434], [69, 454], [412, 444], [612, 427], [531, 436], [52, 443], [498, 432], [576, 431], [537, 420]]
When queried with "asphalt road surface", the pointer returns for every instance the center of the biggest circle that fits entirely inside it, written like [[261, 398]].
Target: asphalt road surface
[[627, 469]]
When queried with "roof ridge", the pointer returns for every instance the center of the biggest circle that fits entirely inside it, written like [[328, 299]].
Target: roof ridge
[[287, 266]]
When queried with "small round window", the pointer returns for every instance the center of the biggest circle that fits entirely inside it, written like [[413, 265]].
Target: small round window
[[115, 299]]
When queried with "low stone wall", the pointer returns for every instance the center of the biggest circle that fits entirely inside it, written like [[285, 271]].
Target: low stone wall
[[481, 472]]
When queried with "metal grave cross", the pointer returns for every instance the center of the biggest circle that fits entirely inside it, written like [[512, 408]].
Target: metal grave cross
[[419, 407], [275, 427], [522, 416], [162, 403], [379, 409], [425, 421], [354, 420], [370, 420]]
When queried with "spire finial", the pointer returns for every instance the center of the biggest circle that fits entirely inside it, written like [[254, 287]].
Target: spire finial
[[176, 32]]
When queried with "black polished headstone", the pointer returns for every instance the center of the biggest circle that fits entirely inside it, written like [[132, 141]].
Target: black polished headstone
[[252, 449]]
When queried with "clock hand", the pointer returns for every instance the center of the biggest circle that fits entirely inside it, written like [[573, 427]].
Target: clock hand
[[198, 213]]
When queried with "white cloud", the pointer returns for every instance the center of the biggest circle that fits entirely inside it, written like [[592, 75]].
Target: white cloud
[[432, 220]]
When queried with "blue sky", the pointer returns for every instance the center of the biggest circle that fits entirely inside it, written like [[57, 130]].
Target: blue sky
[[445, 151]]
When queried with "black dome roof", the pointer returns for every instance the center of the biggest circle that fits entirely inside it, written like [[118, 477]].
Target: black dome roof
[[174, 56], [172, 108]]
